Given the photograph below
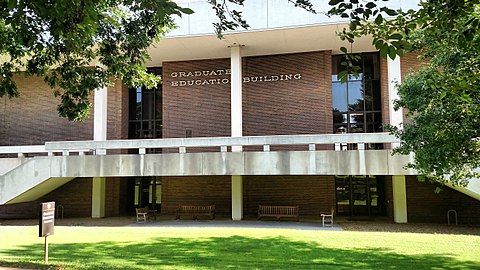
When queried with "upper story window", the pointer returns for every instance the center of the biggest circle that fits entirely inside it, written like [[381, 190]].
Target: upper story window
[[356, 104], [145, 115]]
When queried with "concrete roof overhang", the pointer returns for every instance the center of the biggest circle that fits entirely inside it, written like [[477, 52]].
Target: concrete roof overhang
[[259, 42]]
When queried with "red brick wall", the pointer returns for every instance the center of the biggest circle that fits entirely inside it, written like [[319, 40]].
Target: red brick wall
[[269, 108], [75, 196], [32, 118], [204, 109], [197, 190], [314, 194], [423, 205], [301, 106]]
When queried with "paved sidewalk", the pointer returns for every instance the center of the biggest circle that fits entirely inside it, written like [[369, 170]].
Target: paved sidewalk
[[302, 225]]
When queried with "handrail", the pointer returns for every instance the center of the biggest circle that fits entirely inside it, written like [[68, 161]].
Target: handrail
[[100, 147], [22, 149], [306, 139]]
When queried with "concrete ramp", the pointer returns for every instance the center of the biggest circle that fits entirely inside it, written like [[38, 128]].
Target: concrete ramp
[[472, 190], [29, 181], [38, 176]]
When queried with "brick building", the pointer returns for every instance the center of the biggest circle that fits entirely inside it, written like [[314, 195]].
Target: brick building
[[257, 118]]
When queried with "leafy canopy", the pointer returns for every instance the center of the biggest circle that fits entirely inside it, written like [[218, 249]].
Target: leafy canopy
[[443, 97], [79, 45]]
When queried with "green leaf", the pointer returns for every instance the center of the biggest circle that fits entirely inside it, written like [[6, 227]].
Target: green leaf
[[378, 44], [396, 36], [370, 5], [334, 2], [392, 52], [379, 19], [384, 50]]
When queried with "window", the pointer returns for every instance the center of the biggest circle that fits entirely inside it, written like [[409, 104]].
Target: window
[[145, 115], [356, 104]]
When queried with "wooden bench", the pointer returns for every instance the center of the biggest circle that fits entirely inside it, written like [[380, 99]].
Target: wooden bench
[[195, 211], [278, 211]]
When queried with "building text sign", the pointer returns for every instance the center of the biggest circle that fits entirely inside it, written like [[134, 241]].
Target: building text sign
[[221, 76], [47, 219]]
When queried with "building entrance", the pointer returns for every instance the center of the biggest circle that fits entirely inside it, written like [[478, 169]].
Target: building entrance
[[147, 191], [360, 195]]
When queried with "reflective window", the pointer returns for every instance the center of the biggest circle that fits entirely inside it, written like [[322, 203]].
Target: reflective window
[[357, 104], [145, 118]]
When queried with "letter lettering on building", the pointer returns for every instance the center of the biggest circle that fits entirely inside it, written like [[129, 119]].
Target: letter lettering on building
[[225, 72]]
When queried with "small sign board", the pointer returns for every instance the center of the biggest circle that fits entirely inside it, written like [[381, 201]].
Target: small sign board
[[46, 219]]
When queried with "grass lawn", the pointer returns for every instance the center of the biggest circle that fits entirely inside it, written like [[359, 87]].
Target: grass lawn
[[235, 248]]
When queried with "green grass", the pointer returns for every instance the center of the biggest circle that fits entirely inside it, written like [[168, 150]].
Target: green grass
[[235, 248]]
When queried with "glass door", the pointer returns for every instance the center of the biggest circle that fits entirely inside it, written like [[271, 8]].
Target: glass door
[[360, 195]]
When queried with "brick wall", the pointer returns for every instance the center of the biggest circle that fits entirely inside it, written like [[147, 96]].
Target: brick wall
[[314, 194], [423, 205], [75, 196], [197, 190], [205, 109], [281, 106], [32, 118]]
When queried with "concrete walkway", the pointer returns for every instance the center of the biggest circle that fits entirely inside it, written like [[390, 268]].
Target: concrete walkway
[[302, 225]]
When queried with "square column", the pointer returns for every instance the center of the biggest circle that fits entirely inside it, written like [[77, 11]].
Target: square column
[[237, 197], [394, 77], [98, 197], [100, 114], [399, 199], [236, 93]]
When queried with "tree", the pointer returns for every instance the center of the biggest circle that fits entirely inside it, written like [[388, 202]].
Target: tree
[[79, 45], [443, 97]]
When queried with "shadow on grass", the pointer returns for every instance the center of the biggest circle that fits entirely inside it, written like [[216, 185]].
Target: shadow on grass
[[236, 252]]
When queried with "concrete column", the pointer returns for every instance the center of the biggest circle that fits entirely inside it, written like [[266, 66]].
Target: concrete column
[[394, 77], [98, 197], [236, 93], [399, 198], [237, 197], [100, 114]]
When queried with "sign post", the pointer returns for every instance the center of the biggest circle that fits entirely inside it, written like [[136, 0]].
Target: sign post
[[46, 224]]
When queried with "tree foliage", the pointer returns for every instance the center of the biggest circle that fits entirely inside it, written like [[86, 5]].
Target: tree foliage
[[79, 45], [443, 97]]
